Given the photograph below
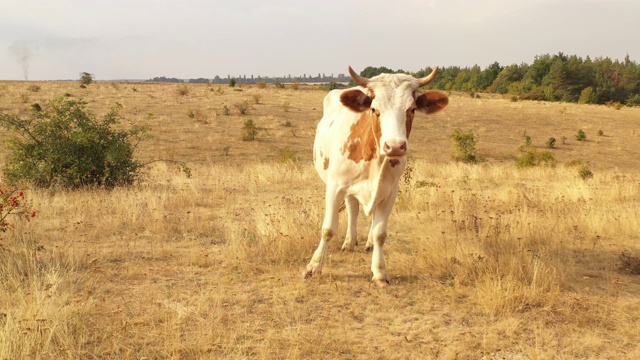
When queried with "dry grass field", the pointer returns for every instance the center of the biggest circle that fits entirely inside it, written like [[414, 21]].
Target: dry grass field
[[487, 261]]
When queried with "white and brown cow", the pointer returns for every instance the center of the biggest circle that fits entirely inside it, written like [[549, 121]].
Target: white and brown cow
[[360, 152]]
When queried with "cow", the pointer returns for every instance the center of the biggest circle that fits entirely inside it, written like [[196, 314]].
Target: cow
[[360, 151]]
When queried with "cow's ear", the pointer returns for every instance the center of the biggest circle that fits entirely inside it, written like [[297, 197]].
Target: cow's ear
[[432, 101], [355, 100]]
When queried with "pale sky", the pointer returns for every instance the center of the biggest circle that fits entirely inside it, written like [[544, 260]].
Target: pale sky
[[142, 39]]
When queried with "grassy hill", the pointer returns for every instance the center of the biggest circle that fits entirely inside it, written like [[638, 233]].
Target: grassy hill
[[486, 261]]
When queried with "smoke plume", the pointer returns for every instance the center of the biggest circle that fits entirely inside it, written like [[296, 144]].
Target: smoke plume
[[22, 54]]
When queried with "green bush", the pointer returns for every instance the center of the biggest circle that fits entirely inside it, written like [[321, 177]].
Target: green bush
[[585, 173], [531, 157], [551, 143], [64, 145], [581, 136], [232, 82], [286, 154], [249, 130], [633, 100], [465, 147]]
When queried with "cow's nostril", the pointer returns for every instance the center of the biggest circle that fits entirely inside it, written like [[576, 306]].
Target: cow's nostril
[[386, 147], [403, 147]]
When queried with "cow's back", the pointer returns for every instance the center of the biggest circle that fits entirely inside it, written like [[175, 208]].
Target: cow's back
[[331, 134]]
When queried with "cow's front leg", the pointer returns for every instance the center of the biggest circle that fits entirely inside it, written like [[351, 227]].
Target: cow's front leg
[[333, 199], [353, 206], [378, 235]]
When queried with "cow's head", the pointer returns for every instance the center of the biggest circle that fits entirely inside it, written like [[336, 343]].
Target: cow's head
[[390, 101]]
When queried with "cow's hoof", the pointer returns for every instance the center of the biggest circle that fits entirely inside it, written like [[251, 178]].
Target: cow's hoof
[[347, 247], [310, 272], [382, 283], [368, 247]]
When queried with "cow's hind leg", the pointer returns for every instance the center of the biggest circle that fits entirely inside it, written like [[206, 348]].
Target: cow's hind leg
[[353, 206], [333, 199]]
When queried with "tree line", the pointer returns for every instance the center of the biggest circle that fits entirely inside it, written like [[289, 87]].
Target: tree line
[[558, 77], [550, 77], [244, 79]]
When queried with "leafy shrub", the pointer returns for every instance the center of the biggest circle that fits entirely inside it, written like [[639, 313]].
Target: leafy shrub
[[256, 98], [531, 157], [249, 130], [286, 154], [587, 96], [465, 147], [333, 85], [581, 136], [551, 143], [243, 107], [600, 133], [232, 82], [12, 202], [279, 85], [633, 100], [585, 173], [197, 115], [65, 145], [226, 111]]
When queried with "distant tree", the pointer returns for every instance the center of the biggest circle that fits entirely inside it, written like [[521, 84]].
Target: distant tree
[[86, 79], [232, 82]]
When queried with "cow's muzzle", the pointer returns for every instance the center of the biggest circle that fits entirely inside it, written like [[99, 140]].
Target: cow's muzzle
[[395, 148]]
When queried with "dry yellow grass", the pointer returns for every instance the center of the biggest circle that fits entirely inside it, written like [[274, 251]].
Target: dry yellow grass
[[487, 261]]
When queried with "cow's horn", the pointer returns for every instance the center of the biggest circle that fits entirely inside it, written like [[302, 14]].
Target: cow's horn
[[429, 78], [362, 81]]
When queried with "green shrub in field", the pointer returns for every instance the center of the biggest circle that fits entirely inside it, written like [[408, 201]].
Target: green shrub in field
[[581, 136], [531, 157], [551, 143], [243, 107], [249, 130], [286, 154], [633, 100], [585, 173], [465, 147], [63, 144]]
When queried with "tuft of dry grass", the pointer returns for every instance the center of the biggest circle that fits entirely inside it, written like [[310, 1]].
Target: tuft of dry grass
[[487, 261]]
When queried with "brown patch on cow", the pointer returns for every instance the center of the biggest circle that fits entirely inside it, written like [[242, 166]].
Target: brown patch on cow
[[326, 163], [432, 101], [362, 143], [394, 162]]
